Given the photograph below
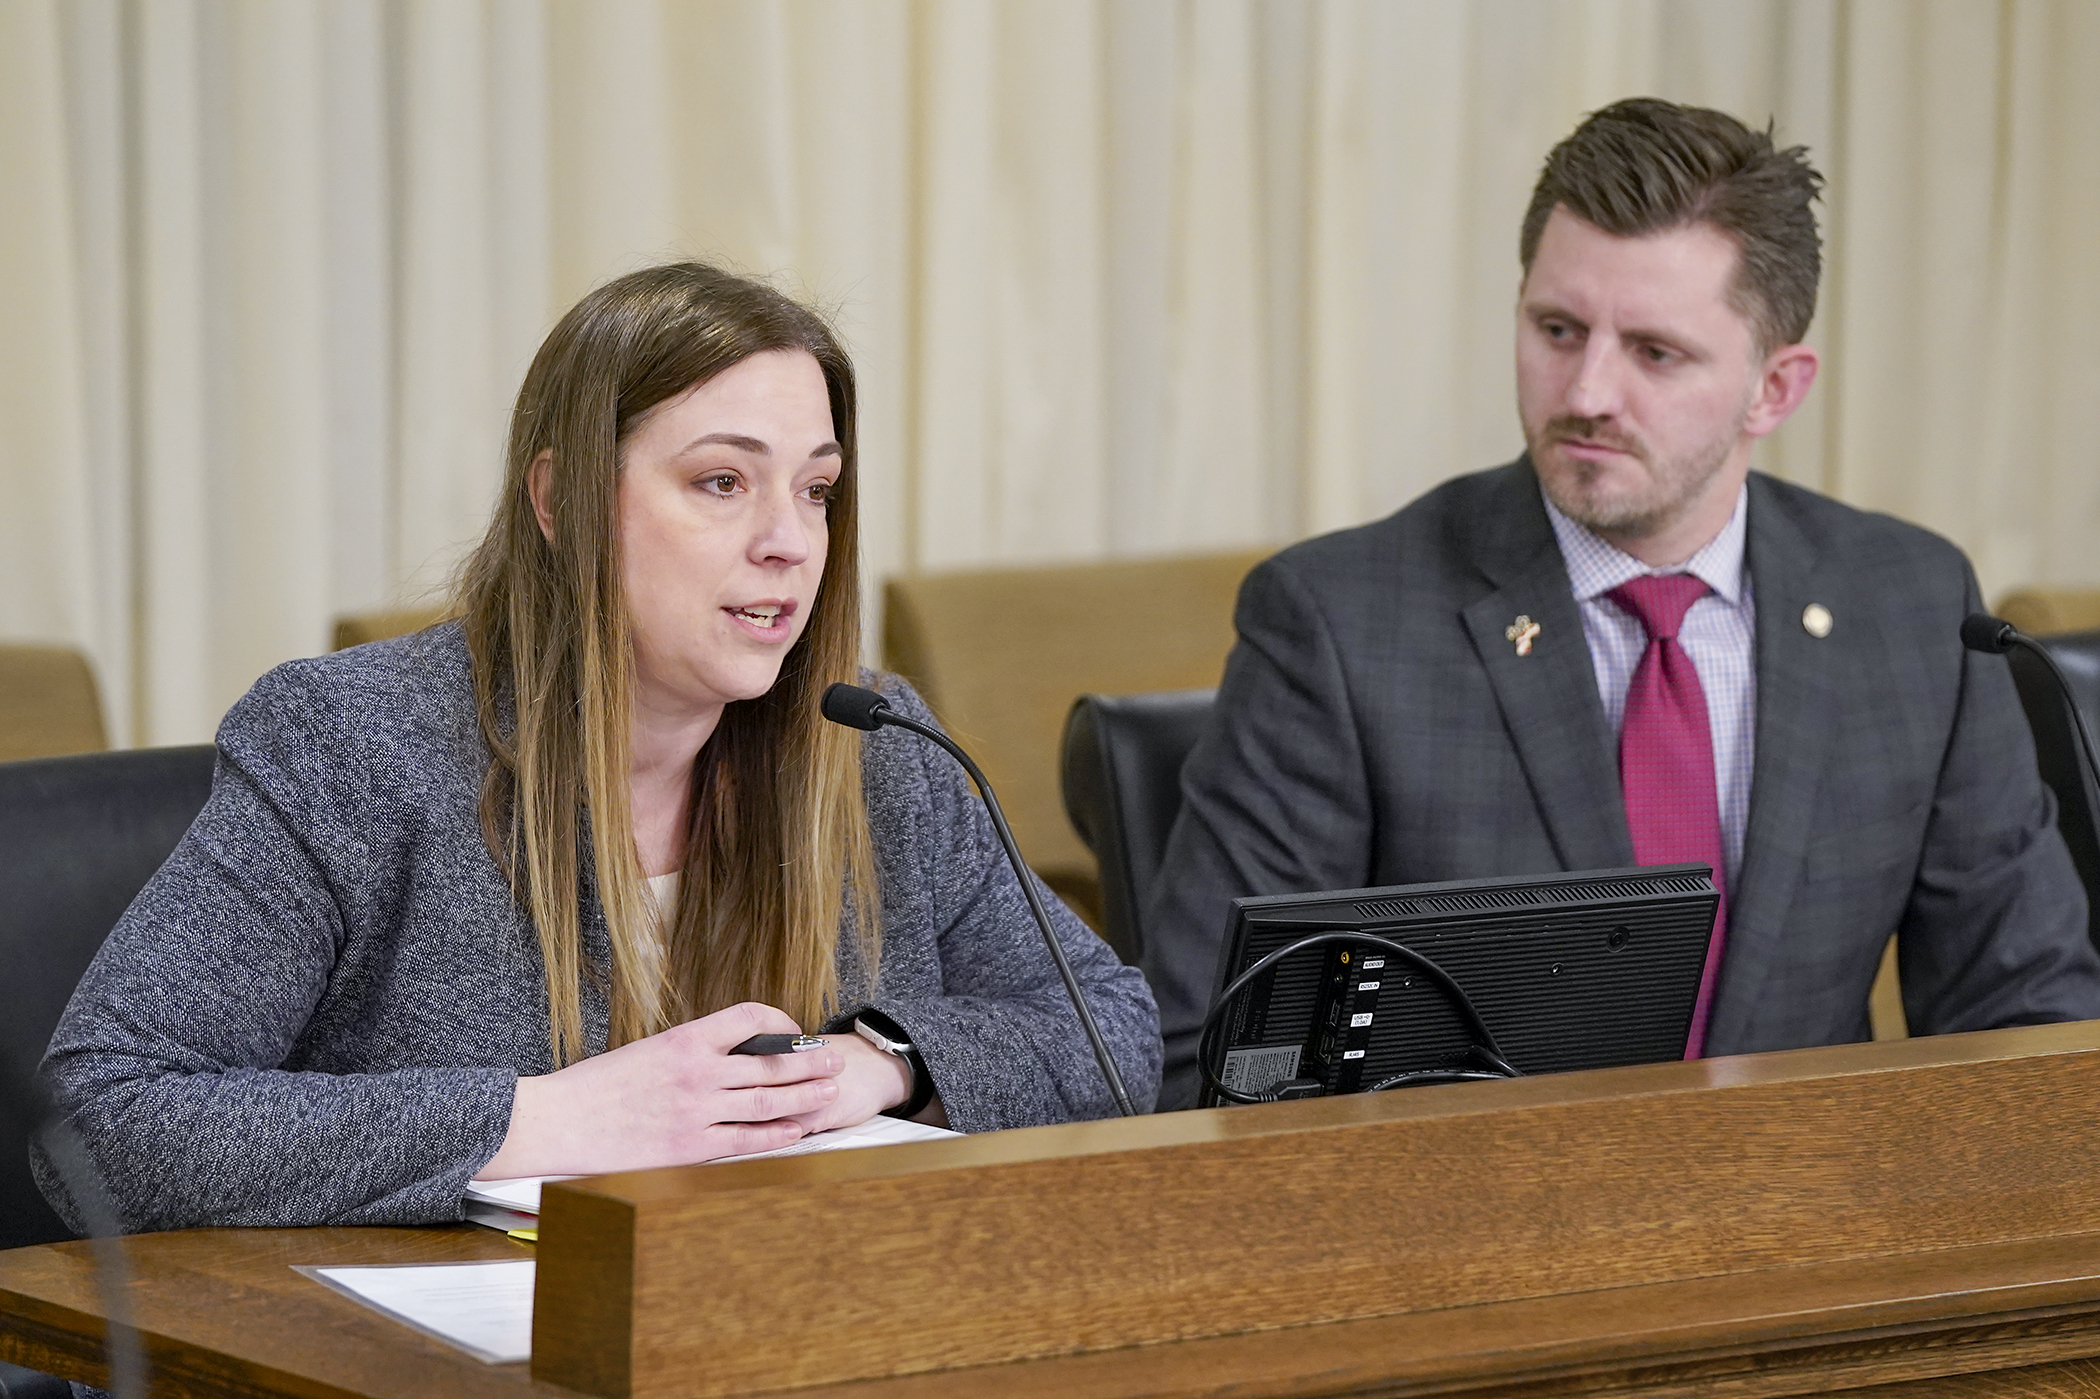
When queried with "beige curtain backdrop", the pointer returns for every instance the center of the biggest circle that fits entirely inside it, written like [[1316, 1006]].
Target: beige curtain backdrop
[[1122, 276]]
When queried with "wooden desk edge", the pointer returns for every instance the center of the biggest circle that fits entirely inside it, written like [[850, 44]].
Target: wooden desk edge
[[194, 1294], [1177, 1129], [51, 1337], [1961, 1311]]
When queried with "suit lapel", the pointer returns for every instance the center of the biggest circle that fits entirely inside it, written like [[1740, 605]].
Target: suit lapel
[[1548, 697], [1795, 688]]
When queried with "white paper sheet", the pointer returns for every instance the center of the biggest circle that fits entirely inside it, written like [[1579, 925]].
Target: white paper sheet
[[523, 1194], [484, 1308]]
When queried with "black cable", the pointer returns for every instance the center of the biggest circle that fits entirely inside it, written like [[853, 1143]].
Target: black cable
[[1410, 1080], [1994, 636], [1484, 1044], [2079, 730]]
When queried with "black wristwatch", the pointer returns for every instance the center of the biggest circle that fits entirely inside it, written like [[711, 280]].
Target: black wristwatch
[[889, 1037]]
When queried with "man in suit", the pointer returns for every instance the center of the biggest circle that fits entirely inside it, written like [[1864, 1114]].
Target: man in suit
[[1627, 648]]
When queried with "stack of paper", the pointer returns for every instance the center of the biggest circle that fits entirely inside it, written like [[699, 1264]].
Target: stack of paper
[[483, 1308]]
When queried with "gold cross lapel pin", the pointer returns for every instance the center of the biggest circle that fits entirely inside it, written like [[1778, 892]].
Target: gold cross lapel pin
[[1523, 632]]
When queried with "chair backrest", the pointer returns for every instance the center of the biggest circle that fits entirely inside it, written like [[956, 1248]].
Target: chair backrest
[[1122, 785], [48, 703], [1001, 654], [82, 835], [2056, 747], [358, 628], [2041, 611]]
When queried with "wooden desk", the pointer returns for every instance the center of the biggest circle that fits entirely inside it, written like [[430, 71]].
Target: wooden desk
[[1932, 1313], [223, 1313]]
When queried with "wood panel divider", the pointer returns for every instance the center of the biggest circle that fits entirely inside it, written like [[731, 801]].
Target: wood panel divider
[[760, 1276]]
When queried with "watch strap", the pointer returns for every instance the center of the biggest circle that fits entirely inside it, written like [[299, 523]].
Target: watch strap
[[922, 1089]]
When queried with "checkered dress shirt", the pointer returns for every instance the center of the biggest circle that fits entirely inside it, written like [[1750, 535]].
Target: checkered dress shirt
[[1717, 635]]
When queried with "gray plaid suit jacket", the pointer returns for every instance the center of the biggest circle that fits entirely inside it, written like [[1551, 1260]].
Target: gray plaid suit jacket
[[1375, 726]]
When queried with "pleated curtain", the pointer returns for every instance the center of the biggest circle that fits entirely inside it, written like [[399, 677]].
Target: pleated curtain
[[1122, 277]]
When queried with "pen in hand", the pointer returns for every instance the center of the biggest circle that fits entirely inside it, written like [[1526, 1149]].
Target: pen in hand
[[780, 1044]]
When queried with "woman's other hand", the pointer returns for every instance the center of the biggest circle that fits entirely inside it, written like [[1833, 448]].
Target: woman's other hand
[[680, 1097], [870, 1082]]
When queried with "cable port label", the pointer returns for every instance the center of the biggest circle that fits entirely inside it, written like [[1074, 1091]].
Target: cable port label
[[1252, 1070]]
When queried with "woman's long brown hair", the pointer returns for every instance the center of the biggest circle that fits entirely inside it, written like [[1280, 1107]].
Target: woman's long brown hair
[[779, 855]]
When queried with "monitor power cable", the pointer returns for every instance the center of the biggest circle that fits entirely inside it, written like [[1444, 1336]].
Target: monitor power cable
[[1495, 1064]]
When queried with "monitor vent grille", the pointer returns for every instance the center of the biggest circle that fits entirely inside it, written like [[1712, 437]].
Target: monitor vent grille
[[1453, 903], [1476, 901]]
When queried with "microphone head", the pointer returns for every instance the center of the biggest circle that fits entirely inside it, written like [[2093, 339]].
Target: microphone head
[[855, 707], [1982, 632]]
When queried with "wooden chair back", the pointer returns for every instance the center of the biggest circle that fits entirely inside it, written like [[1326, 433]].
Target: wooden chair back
[[49, 705], [361, 627], [2043, 611], [1001, 654]]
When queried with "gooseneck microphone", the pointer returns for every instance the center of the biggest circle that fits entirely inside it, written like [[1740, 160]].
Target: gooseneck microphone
[[859, 708], [22, 1097], [1994, 637]]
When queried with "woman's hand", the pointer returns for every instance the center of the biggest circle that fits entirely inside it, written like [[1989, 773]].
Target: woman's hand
[[680, 1097], [870, 1082]]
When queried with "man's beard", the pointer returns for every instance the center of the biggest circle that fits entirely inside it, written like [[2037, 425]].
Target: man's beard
[[1576, 489]]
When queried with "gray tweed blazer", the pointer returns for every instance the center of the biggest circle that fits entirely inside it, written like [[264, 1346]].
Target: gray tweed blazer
[[1375, 726], [315, 1013]]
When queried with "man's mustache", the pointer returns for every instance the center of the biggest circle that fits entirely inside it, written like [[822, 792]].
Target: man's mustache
[[1598, 430]]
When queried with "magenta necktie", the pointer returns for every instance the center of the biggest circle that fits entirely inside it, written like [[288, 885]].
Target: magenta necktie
[[1666, 759]]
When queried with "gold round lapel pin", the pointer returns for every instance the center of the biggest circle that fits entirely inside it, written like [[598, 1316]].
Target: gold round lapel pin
[[1816, 620]]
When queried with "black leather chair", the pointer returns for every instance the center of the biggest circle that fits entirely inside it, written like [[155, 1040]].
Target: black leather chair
[[2056, 746], [1122, 785], [79, 837], [19, 1383]]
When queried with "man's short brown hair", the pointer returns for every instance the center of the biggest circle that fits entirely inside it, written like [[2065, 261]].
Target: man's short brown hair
[[1644, 165]]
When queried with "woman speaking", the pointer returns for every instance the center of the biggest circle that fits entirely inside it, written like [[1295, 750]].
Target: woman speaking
[[498, 898]]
